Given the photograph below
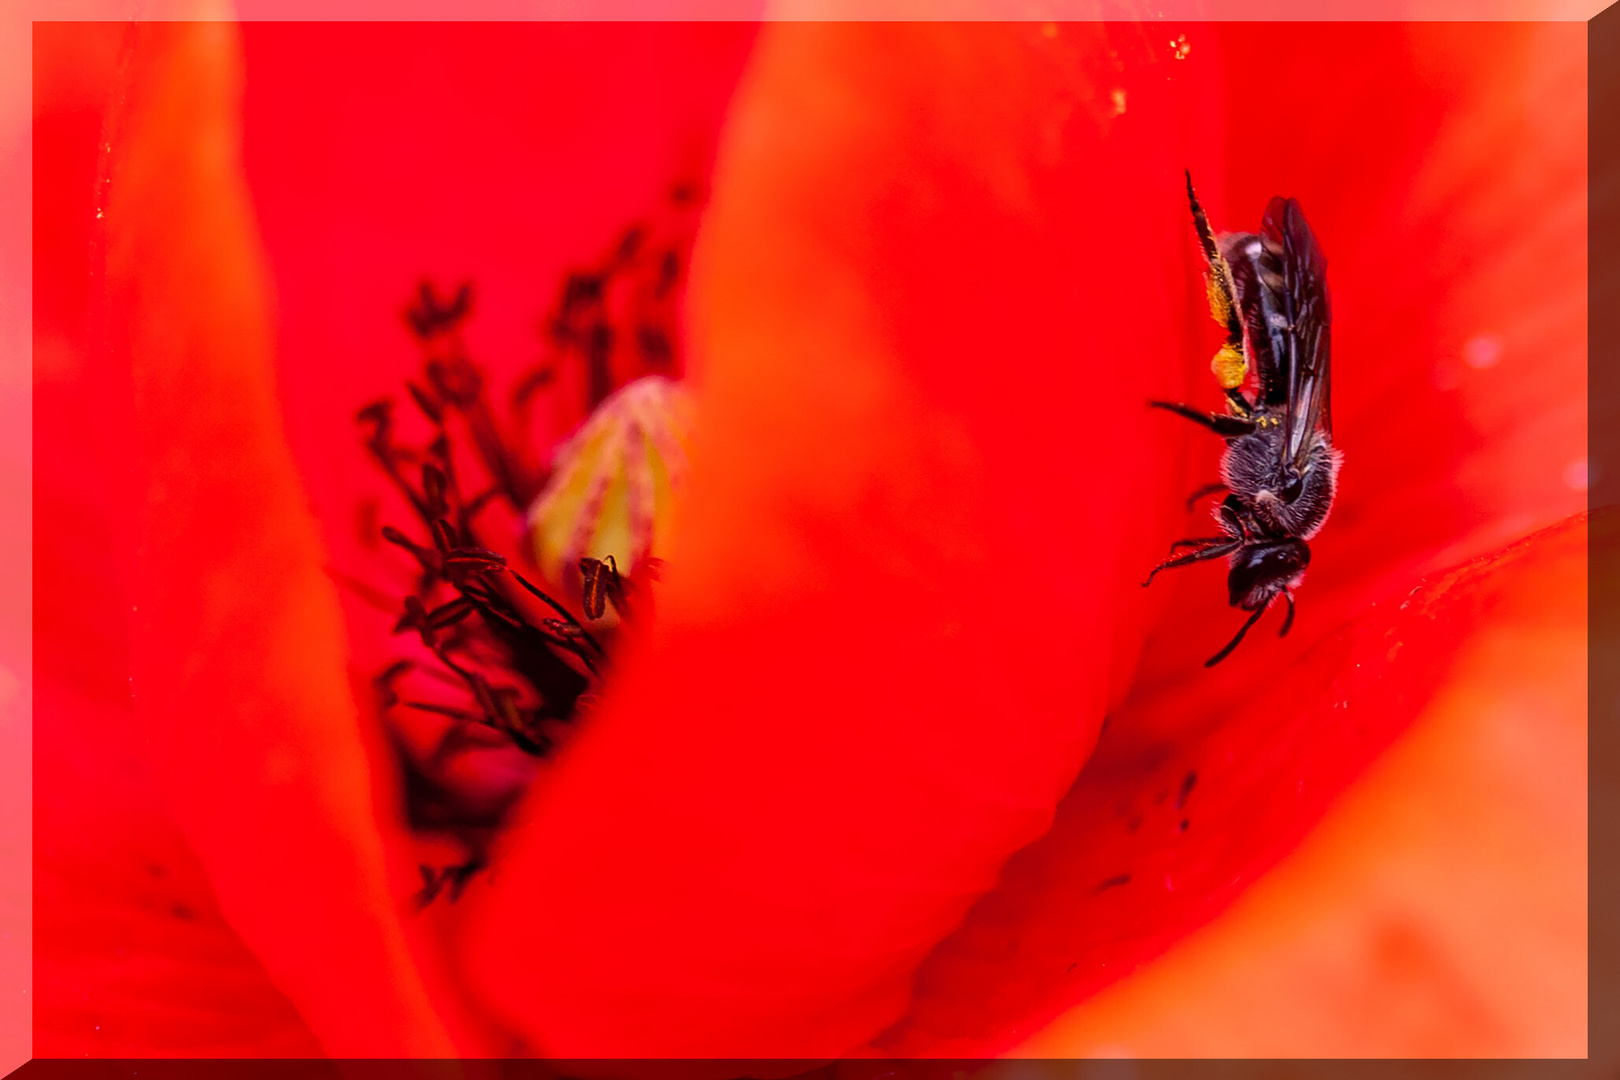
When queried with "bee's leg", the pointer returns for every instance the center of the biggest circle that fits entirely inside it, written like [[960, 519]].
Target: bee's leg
[[1199, 541], [1240, 403], [1230, 364], [1225, 426], [1230, 645], [1223, 546], [1288, 620], [1235, 518], [1207, 489]]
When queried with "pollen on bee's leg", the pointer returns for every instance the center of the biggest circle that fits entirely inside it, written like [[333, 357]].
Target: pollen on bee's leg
[[1230, 367], [1220, 301]]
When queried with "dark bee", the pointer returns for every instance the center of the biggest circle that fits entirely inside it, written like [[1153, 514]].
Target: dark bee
[[1269, 291]]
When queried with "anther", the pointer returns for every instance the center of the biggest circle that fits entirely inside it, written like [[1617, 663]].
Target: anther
[[434, 486], [669, 271], [387, 696], [444, 537], [451, 613], [457, 381], [431, 407], [630, 243], [602, 584], [429, 318], [426, 558], [378, 414], [501, 672], [416, 618]]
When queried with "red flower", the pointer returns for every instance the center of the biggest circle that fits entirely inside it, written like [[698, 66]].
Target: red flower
[[941, 271]]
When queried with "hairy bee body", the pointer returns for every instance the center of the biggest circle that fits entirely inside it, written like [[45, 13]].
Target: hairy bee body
[[1251, 470], [1280, 469]]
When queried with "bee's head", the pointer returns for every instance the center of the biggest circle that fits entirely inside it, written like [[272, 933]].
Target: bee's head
[[1261, 571]]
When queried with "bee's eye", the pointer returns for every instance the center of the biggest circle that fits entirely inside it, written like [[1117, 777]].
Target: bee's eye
[[1295, 486]]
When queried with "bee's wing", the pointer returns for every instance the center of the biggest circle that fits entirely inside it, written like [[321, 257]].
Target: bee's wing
[[1302, 346]]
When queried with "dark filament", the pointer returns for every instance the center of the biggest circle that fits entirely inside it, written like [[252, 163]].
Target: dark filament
[[513, 661]]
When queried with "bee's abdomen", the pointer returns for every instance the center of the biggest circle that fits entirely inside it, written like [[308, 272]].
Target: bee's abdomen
[[1321, 481]]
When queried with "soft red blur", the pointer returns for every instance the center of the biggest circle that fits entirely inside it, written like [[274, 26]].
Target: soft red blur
[[943, 269], [1458, 276]]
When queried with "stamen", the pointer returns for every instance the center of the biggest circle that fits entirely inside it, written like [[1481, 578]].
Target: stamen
[[433, 707], [430, 407], [564, 612], [493, 672], [601, 579]]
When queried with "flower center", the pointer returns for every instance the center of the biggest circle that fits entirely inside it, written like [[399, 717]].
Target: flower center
[[504, 643]]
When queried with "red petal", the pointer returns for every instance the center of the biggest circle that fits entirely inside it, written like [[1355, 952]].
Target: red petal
[[933, 276], [383, 154], [1440, 908], [1444, 165], [132, 956], [237, 652], [1118, 879], [1428, 250]]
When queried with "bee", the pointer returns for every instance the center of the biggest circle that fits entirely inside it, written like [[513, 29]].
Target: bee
[[1268, 290]]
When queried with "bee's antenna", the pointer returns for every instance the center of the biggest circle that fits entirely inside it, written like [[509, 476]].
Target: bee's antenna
[[1230, 645]]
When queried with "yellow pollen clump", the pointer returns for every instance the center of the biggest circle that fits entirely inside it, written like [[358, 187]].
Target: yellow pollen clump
[[1229, 367]]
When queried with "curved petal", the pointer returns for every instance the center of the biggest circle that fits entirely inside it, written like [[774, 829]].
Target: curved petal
[[380, 155], [1440, 908], [132, 957], [907, 576], [1441, 267], [236, 646], [796, 790]]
